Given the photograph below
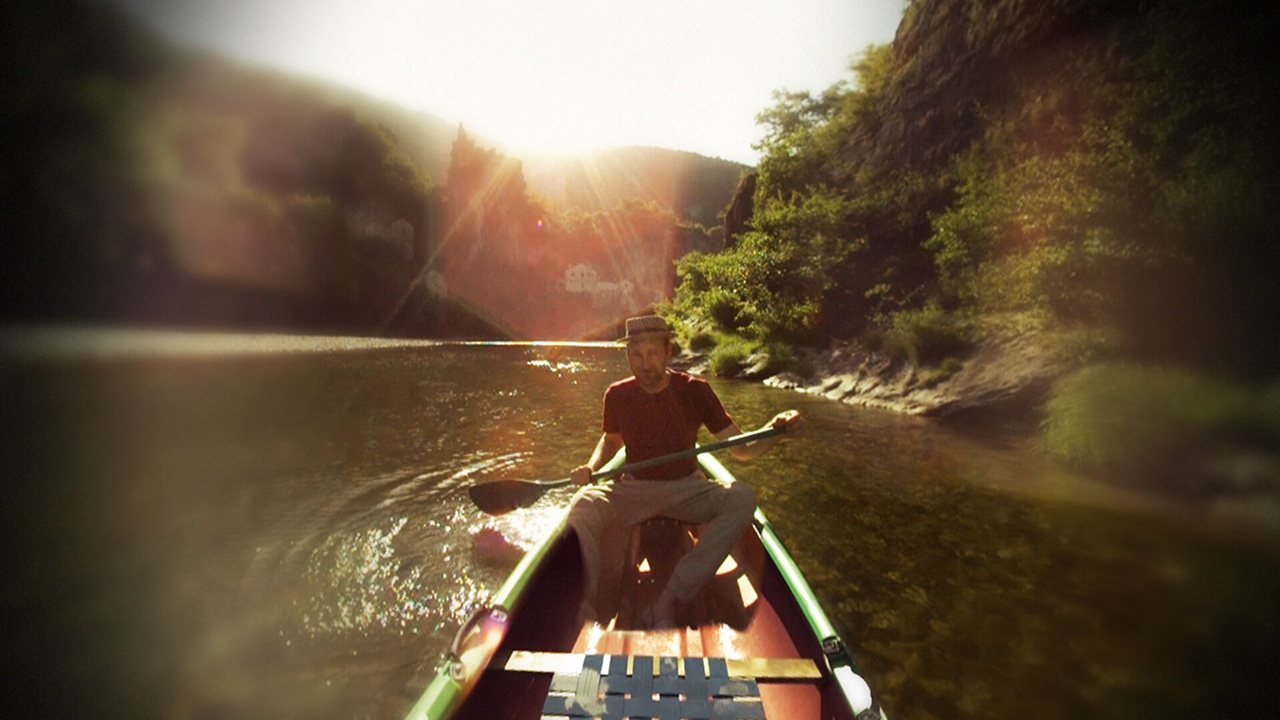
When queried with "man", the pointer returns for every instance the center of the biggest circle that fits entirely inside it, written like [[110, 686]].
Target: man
[[658, 411]]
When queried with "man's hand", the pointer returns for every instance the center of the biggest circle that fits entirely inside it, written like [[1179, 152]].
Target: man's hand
[[581, 475], [790, 420]]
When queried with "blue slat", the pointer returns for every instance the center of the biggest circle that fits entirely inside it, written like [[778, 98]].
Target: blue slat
[[613, 707], [563, 683], [641, 703], [669, 707], [668, 681], [709, 694], [619, 682], [564, 705], [750, 710]]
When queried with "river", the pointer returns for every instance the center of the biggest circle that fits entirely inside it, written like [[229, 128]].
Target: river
[[231, 526]]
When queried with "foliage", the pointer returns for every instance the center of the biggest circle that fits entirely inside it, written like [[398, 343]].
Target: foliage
[[927, 335], [804, 132], [772, 283], [1116, 184], [727, 358], [1142, 204], [74, 200], [781, 357], [699, 341], [1128, 418], [151, 182], [816, 246]]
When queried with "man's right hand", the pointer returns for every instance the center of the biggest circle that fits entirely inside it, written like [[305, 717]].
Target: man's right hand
[[581, 475]]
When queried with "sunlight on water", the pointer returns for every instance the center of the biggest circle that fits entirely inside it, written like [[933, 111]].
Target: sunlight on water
[[359, 582], [525, 527], [94, 342], [559, 368]]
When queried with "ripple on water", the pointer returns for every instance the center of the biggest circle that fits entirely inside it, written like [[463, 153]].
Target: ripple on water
[[378, 580]]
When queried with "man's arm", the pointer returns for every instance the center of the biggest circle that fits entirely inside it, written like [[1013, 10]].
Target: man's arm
[[789, 419], [608, 446]]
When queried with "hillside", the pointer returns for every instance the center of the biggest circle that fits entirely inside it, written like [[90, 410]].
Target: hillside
[[152, 183], [695, 187], [1010, 156], [1089, 182]]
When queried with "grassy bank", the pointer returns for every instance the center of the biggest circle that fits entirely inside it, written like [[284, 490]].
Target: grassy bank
[[1173, 428]]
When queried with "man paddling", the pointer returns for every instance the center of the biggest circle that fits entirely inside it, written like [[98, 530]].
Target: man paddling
[[658, 411]]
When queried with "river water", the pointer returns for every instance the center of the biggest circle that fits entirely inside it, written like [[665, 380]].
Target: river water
[[274, 527]]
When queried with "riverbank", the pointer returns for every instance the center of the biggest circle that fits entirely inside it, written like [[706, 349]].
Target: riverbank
[[1004, 377], [1000, 389]]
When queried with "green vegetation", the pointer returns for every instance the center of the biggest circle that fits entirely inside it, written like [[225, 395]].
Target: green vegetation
[[1125, 418], [728, 357], [149, 183], [772, 284], [1105, 173], [1119, 181], [928, 335]]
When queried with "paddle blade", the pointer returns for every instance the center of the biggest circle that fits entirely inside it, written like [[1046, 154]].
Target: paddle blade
[[502, 496]]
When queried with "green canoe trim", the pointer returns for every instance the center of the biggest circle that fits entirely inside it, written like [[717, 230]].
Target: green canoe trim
[[444, 694], [833, 646]]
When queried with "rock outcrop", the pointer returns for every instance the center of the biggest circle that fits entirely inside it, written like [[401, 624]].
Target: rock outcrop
[[1006, 376]]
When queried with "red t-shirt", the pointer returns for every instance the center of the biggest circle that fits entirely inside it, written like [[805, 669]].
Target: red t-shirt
[[664, 423]]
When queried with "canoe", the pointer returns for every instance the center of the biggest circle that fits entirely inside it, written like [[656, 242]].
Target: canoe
[[757, 644]]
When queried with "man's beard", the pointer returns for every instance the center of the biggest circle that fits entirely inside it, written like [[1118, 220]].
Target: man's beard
[[651, 379]]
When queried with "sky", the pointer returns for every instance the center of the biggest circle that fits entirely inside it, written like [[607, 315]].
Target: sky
[[559, 76]]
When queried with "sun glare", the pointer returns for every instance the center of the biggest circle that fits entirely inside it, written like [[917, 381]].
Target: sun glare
[[554, 76]]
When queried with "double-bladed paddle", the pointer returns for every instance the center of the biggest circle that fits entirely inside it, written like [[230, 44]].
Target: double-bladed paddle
[[502, 496]]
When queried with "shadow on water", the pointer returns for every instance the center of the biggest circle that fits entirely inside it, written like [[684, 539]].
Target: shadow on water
[[283, 534]]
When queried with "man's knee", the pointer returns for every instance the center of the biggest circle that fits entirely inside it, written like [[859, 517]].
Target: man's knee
[[590, 507], [742, 499]]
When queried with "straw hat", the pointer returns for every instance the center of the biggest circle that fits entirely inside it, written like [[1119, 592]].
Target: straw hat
[[646, 326]]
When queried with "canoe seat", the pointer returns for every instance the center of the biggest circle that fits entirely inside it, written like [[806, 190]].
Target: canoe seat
[[666, 688], [655, 548]]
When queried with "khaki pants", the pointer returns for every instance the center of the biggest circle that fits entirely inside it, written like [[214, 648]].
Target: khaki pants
[[602, 515]]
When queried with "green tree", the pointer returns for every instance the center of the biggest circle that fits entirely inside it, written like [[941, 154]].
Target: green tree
[[773, 284]]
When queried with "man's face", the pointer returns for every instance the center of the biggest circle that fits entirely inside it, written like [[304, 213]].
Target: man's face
[[648, 360]]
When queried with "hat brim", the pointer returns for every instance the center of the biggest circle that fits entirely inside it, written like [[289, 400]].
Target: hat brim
[[643, 334]]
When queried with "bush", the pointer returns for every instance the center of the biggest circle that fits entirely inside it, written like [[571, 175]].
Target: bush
[[927, 335], [1124, 417], [771, 285], [728, 357], [780, 358], [700, 341]]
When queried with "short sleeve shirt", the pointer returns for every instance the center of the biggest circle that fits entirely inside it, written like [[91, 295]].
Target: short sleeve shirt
[[667, 422]]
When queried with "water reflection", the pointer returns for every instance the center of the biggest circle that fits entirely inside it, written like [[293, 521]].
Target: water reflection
[[285, 534]]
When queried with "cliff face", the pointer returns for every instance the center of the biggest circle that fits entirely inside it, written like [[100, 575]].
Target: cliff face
[[957, 67], [960, 63], [1098, 167]]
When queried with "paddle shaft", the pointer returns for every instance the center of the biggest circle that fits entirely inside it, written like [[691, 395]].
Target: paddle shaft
[[503, 496], [742, 439]]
